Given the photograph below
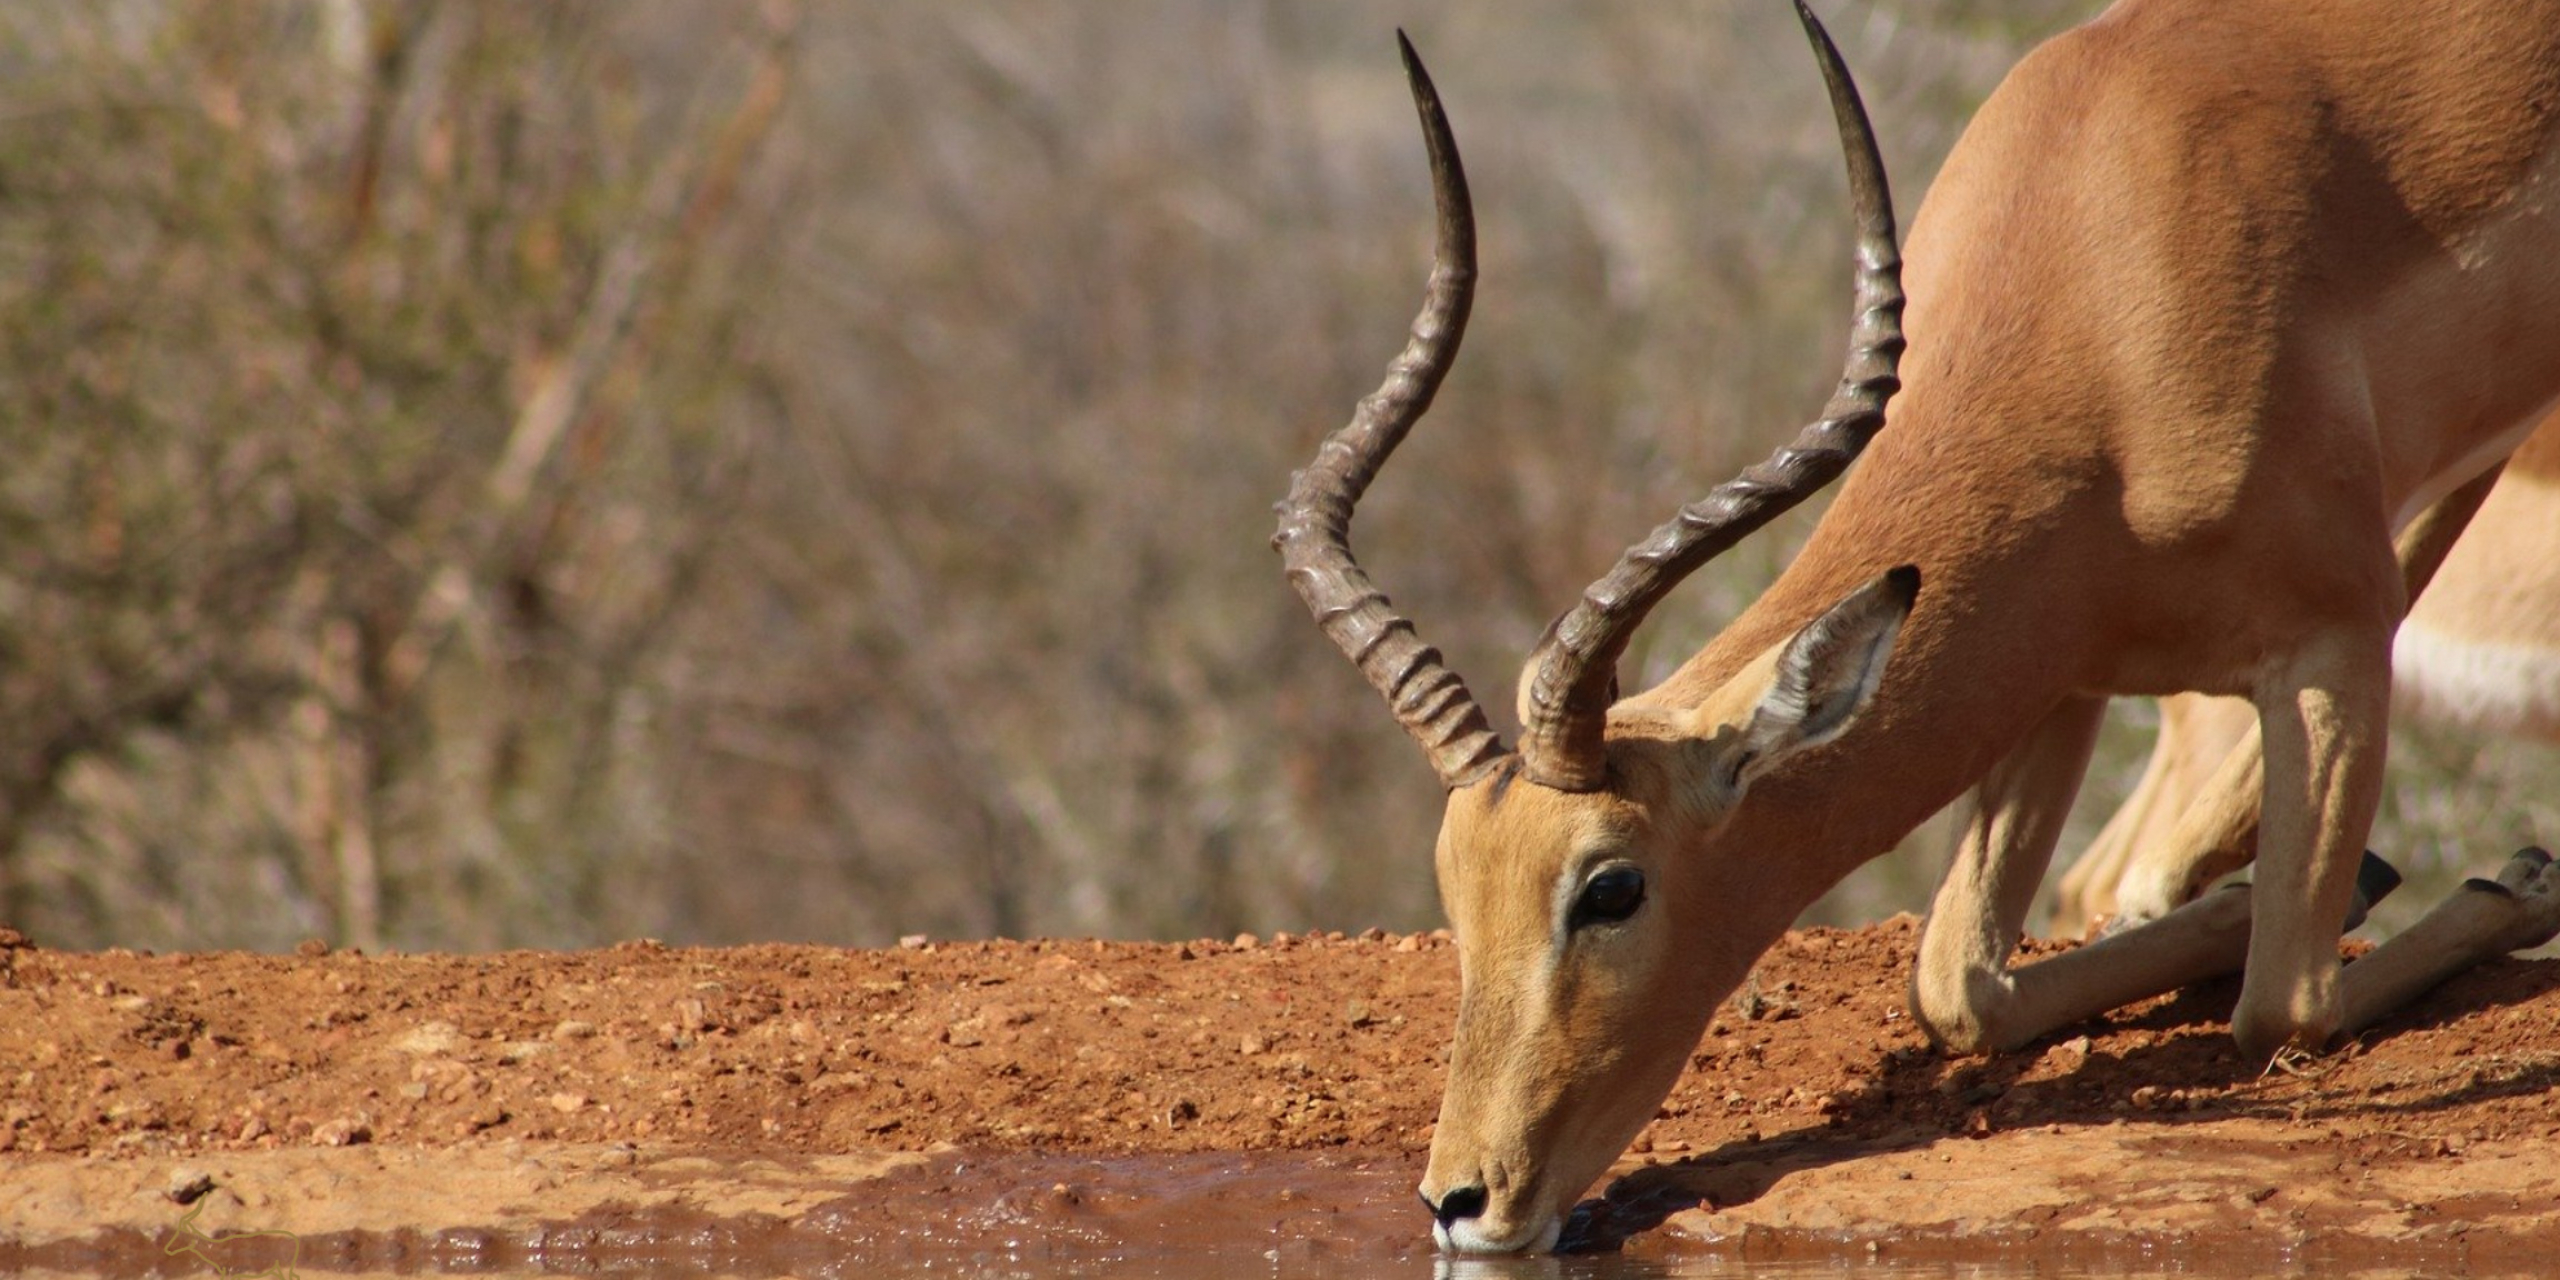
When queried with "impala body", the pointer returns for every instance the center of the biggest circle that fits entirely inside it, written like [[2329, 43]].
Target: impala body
[[2210, 301]]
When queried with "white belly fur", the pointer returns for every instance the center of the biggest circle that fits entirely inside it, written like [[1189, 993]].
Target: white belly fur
[[2485, 686]]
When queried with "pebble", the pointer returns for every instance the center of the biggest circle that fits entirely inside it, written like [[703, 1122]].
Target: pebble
[[343, 1132], [188, 1185]]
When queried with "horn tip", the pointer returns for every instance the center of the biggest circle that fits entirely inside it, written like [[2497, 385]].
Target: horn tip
[[1804, 14]]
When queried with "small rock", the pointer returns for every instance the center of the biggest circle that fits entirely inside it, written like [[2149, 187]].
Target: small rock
[[515, 1051], [914, 942], [1409, 943], [1252, 1043], [565, 1103], [429, 1038], [188, 1185], [572, 1029], [691, 1014], [342, 1133], [1247, 942], [311, 948]]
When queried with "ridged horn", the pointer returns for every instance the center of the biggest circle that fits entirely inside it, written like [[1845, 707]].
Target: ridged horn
[[1566, 686], [1428, 698]]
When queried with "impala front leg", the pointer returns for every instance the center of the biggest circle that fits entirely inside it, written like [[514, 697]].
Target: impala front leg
[[2482, 920], [1962, 992], [2323, 717], [2215, 830]]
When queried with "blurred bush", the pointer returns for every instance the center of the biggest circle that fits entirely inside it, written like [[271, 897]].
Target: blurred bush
[[488, 474]]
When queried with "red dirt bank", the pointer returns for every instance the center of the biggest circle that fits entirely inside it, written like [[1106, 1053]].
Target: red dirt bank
[[1812, 1111]]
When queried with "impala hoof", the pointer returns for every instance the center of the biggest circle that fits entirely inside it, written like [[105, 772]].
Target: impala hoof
[[2531, 883], [2375, 879]]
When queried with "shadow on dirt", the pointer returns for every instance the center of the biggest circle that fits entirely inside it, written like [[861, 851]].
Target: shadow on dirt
[[2179, 1068]]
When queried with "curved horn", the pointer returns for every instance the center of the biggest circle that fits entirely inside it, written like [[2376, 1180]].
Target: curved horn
[[1428, 698], [1565, 692]]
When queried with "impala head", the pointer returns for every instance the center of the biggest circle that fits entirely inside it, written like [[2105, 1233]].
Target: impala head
[[1579, 873]]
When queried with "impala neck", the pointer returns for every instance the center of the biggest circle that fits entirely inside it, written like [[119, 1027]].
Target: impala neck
[[1966, 682]]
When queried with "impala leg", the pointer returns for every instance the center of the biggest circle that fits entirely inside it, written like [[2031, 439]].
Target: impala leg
[[2322, 718], [2205, 938], [2086, 897], [2208, 769], [2216, 833], [2483, 919], [2196, 812], [1962, 992]]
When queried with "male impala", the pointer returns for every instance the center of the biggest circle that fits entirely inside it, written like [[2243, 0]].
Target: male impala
[[2480, 650], [2210, 299]]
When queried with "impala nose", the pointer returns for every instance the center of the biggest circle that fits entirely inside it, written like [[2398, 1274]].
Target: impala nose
[[1459, 1204]]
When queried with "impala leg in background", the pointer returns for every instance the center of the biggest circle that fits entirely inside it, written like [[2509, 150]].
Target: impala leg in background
[[2215, 834], [1962, 992], [2196, 733]]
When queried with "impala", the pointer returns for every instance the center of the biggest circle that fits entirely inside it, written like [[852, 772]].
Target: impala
[[2480, 650], [2210, 301]]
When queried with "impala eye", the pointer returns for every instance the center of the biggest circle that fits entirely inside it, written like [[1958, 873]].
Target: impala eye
[[1611, 895]]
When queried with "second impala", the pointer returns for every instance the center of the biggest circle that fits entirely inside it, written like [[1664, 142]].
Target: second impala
[[2212, 298]]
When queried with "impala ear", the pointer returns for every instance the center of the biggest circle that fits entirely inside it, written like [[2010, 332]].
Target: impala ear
[[1814, 685]]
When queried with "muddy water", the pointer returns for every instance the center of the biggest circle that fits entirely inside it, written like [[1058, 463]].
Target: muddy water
[[1338, 1217]]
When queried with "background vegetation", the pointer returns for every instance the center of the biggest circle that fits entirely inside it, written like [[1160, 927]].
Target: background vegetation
[[491, 474]]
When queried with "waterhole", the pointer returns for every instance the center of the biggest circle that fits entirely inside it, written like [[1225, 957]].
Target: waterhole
[[1033, 1217]]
